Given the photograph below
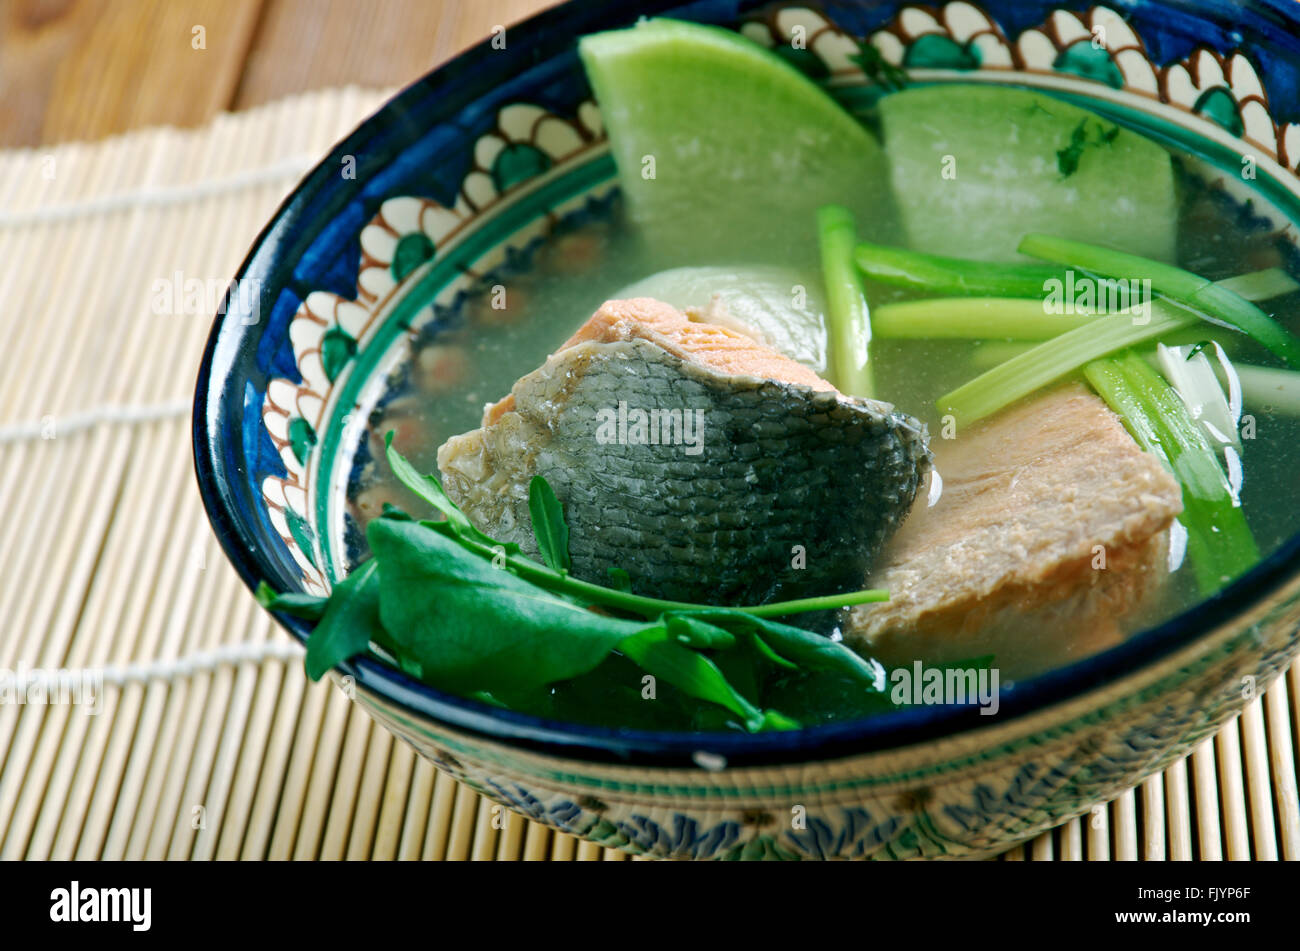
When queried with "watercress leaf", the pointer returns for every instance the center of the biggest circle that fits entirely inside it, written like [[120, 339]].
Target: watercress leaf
[[349, 624], [392, 511], [697, 633], [812, 652], [430, 489], [1067, 160], [472, 626], [877, 68], [549, 529], [776, 720], [658, 652], [772, 656], [307, 606]]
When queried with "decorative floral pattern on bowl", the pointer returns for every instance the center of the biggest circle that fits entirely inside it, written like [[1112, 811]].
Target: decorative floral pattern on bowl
[[1097, 46], [397, 246]]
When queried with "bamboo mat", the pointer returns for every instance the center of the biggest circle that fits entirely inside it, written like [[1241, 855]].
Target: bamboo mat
[[210, 742]]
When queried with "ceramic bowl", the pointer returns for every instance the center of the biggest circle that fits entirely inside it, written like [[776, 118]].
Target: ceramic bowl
[[475, 169]]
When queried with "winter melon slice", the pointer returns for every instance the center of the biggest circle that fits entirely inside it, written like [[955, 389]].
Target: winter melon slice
[[724, 150], [976, 167]]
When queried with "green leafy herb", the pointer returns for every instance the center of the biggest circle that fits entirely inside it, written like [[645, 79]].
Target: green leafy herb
[[549, 529], [476, 627], [307, 606], [689, 671], [1089, 133], [466, 613], [349, 624], [878, 69], [431, 490], [698, 633]]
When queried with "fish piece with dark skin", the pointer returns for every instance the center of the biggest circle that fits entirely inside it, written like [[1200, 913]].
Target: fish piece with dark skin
[[707, 466]]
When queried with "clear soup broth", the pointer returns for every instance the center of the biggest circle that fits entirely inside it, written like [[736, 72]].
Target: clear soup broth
[[472, 355]]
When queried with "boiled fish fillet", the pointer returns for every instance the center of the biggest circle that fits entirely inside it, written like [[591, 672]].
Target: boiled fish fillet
[[1051, 532], [707, 466]]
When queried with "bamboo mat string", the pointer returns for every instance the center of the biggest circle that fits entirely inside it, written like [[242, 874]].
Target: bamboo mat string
[[209, 741]]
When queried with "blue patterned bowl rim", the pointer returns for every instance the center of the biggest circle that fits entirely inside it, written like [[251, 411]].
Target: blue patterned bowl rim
[[378, 142]]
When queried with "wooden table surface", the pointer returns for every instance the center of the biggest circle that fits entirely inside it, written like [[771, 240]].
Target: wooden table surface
[[86, 69]]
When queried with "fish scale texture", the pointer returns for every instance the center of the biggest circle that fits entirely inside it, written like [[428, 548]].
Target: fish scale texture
[[781, 469]]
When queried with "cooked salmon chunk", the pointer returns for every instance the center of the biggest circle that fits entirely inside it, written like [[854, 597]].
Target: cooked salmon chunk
[[706, 465], [1051, 531]]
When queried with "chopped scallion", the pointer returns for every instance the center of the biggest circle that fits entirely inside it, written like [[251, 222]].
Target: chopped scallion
[[1211, 301], [1219, 541], [937, 274], [848, 318], [1056, 358]]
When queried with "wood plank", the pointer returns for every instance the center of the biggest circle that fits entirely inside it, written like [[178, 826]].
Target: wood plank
[[35, 35], [85, 69], [310, 44]]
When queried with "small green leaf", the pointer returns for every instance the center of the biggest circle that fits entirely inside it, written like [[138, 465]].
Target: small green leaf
[[698, 634], [619, 580], [689, 671], [393, 512], [549, 529], [812, 652], [308, 606], [471, 626], [764, 649], [431, 490], [1087, 133], [349, 624]]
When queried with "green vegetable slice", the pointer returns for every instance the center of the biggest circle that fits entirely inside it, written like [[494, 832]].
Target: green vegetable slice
[[976, 165], [709, 129]]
